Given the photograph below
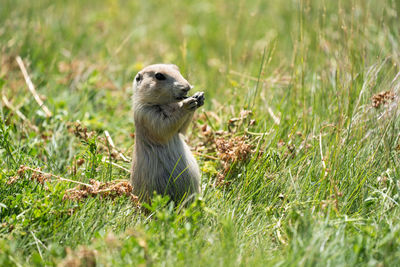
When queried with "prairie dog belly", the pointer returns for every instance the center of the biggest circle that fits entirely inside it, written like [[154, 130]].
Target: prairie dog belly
[[168, 169]]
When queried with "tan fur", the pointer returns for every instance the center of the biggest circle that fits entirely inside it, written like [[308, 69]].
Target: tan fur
[[162, 161]]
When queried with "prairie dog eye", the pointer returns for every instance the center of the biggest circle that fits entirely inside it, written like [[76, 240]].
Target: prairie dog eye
[[160, 76], [138, 77]]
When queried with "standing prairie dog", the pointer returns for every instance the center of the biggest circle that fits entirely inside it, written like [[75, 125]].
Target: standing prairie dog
[[162, 161]]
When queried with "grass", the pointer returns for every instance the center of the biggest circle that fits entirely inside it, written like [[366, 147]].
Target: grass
[[322, 190]]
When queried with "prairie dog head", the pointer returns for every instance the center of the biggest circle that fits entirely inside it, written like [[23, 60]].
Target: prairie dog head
[[160, 84]]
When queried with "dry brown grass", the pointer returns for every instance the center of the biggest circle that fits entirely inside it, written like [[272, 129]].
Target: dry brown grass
[[382, 98]]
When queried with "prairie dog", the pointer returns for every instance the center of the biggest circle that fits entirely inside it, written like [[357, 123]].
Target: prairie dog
[[162, 161]]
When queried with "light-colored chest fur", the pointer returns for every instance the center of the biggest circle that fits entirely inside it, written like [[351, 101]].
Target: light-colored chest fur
[[162, 160]]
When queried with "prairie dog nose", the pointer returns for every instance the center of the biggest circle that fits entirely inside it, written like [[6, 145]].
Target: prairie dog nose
[[187, 88]]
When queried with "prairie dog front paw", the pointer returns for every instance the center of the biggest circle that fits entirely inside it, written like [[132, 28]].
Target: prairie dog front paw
[[189, 103], [199, 96]]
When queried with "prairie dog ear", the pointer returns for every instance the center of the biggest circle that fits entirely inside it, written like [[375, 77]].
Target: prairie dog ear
[[174, 66]]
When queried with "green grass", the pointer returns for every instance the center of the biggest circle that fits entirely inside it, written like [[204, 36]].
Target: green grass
[[324, 189]]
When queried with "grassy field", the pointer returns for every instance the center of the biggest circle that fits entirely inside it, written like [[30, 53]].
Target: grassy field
[[298, 141]]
